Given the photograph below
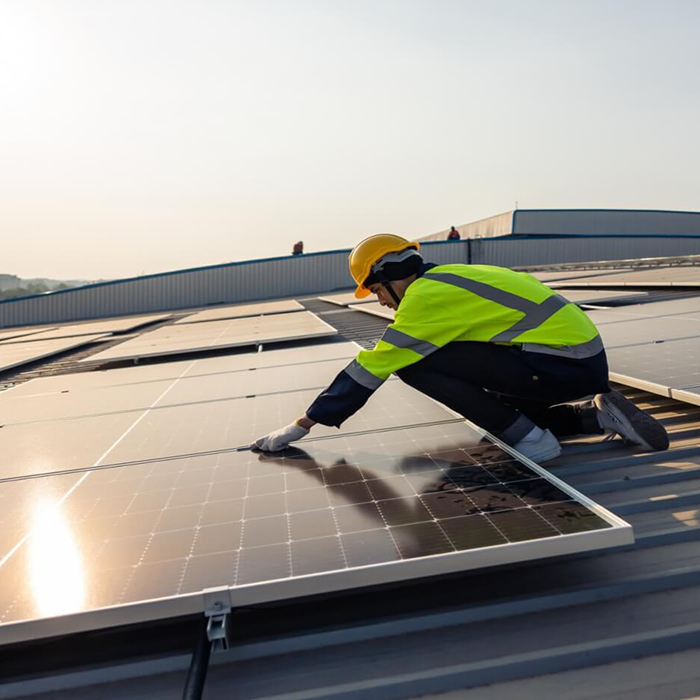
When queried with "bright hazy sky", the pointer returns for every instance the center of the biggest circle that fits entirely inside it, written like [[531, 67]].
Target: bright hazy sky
[[149, 135]]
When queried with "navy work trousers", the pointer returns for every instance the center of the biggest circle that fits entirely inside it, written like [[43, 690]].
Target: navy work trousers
[[506, 390]]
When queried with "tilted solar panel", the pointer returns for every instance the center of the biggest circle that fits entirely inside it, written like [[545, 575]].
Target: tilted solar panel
[[142, 542]]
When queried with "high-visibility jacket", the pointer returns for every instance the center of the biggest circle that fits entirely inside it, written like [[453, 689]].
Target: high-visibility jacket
[[458, 302]]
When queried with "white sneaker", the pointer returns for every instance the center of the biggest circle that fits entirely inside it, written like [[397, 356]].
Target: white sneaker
[[539, 445]]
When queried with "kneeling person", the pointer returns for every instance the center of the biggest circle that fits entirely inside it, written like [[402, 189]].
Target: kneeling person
[[496, 346]]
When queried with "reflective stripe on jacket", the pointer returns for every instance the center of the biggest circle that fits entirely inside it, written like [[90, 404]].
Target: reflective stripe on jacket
[[476, 303]]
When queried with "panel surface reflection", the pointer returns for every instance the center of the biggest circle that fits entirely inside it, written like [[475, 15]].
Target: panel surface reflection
[[172, 527]]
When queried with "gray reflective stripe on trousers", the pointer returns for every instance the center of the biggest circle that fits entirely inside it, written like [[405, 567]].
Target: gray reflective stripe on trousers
[[402, 340], [535, 314], [363, 376], [578, 352]]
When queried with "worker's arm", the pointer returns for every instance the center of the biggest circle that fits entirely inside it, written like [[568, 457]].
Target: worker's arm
[[420, 328]]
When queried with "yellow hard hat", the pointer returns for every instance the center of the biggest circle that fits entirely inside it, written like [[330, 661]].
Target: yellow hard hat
[[367, 252]]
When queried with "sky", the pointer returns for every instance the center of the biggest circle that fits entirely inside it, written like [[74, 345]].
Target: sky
[[140, 136]]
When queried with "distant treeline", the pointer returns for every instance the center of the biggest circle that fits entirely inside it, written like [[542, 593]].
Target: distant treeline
[[29, 290]]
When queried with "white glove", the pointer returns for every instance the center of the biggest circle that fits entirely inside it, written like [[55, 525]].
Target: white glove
[[274, 442]]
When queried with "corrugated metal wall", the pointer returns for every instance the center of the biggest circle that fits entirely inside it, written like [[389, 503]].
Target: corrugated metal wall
[[309, 274], [499, 225], [511, 252], [606, 222]]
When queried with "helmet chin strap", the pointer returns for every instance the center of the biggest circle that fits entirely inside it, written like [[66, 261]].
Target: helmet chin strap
[[387, 285]]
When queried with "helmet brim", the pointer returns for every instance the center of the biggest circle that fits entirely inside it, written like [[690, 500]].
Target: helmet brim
[[362, 292]]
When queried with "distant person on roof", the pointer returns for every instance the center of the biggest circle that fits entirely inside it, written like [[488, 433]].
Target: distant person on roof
[[453, 235], [298, 248], [497, 346]]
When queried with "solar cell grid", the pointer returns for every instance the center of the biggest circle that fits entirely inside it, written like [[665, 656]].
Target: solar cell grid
[[171, 528]]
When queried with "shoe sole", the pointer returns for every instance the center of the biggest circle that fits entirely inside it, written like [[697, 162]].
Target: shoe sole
[[544, 457], [644, 430]]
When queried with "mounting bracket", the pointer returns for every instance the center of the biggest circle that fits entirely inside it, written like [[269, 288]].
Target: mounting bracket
[[217, 608]]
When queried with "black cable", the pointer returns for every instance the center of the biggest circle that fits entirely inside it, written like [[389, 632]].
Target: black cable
[[197, 673]]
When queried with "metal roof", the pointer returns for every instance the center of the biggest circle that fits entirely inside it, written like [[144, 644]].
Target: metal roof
[[567, 616]]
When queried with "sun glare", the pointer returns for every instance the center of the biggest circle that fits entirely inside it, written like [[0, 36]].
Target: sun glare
[[56, 572]]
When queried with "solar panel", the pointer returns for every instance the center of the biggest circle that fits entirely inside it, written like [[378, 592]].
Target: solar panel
[[220, 425], [269, 357], [142, 542], [212, 335], [687, 308], [186, 389], [658, 367], [105, 325], [70, 404], [346, 299], [152, 433], [242, 310], [15, 354], [620, 329]]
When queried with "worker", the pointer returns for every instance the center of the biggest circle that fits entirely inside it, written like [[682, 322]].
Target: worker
[[453, 235], [298, 248], [496, 346]]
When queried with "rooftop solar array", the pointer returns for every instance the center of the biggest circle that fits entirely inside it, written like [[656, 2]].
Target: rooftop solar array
[[210, 335], [15, 354], [243, 310], [126, 494], [108, 325]]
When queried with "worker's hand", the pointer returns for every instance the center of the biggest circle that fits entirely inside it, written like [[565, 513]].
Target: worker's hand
[[274, 442]]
